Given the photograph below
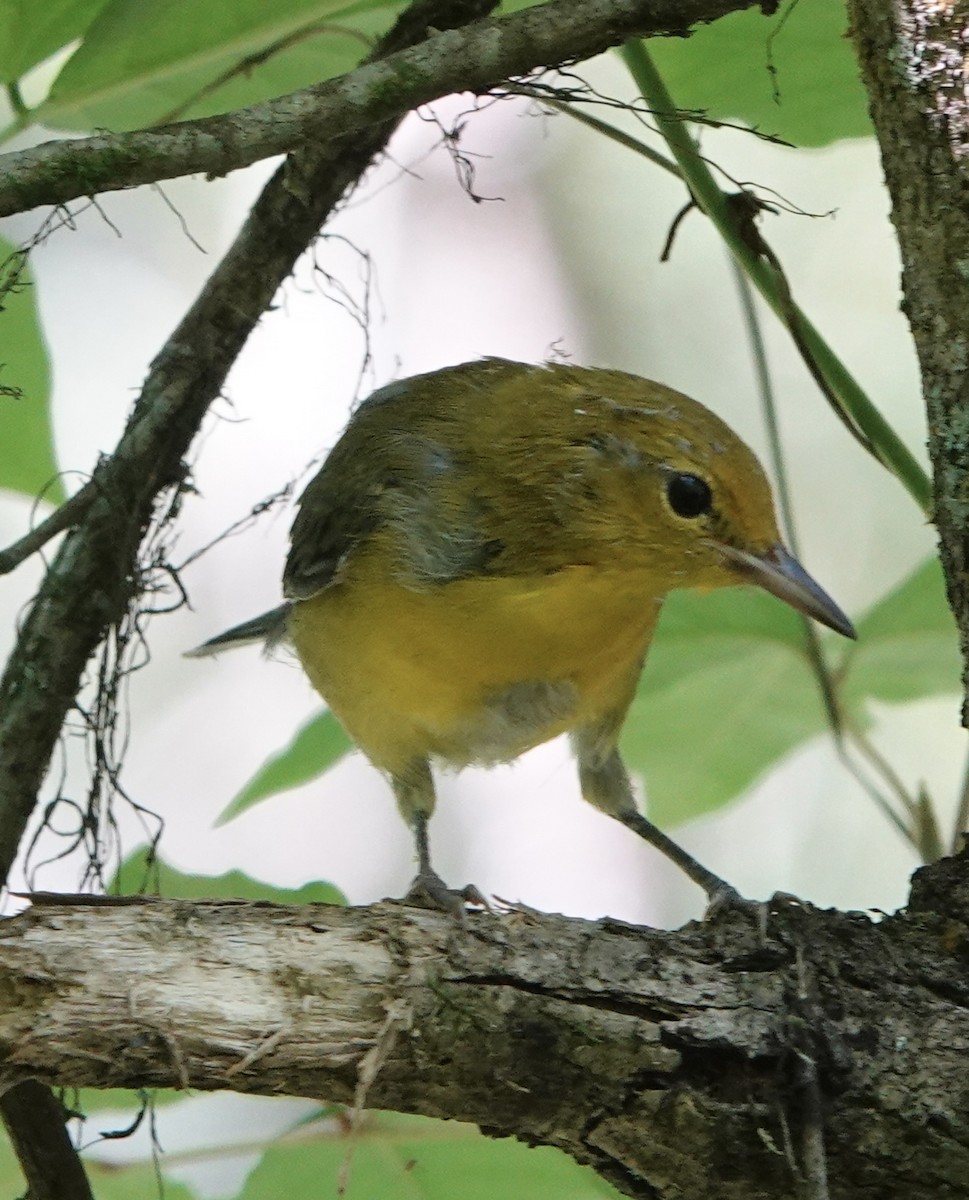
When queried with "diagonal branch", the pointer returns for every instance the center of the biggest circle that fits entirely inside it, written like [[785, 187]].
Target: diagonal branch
[[470, 59], [67, 515], [673, 1063], [94, 576]]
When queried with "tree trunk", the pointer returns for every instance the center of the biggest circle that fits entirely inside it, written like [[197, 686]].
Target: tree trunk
[[914, 57]]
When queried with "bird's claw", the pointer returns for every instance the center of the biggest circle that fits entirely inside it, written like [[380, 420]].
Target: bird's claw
[[430, 891]]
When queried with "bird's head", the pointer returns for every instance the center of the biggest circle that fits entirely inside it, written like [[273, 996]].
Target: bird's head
[[678, 489]]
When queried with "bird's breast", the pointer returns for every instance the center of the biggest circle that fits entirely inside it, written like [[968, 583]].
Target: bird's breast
[[476, 670]]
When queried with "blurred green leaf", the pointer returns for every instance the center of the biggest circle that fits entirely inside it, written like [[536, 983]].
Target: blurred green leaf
[[907, 645], [730, 68], [319, 744], [147, 61], [108, 1183], [92, 1101], [27, 462], [726, 692], [415, 1158], [11, 1177], [135, 1182], [136, 875], [31, 32]]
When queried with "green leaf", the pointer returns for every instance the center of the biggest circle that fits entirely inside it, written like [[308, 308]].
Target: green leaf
[[148, 61], [415, 1158], [136, 874], [133, 1182], [319, 744], [90, 1102], [108, 1183], [907, 645], [27, 462], [727, 690], [11, 1177], [724, 69], [31, 32]]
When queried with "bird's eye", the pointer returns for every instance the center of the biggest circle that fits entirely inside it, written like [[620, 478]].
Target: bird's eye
[[689, 495]]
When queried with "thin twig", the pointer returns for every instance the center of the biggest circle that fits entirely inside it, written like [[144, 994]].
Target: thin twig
[[258, 58], [885, 769], [916, 829], [619, 136], [68, 514], [819, 665]]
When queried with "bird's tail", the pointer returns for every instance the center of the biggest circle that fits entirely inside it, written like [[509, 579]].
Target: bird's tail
[[269, 628]]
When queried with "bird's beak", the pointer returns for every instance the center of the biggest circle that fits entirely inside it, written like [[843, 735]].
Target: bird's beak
[[779, 572]]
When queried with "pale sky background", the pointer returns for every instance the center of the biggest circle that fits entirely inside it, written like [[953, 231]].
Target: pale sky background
[[565, 257]]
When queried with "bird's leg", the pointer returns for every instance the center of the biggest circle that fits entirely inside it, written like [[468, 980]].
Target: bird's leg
[[428, 886], [605, 784], [414, 790], [719, 892]]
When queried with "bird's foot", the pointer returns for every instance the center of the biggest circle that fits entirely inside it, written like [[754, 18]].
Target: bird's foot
[[727, 899], [517, 910], [430, 891], [724, 897]]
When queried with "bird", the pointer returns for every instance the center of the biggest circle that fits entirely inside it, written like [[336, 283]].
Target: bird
[[481, 561]]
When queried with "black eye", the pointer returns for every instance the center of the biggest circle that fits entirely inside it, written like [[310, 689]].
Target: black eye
[[689, 495]]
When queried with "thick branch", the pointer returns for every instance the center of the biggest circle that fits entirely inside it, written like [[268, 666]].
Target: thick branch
[[471, 59], [915, 56], [658, 1058]]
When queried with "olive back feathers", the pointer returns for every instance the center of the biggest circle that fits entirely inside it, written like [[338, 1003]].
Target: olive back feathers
[[497, 468]]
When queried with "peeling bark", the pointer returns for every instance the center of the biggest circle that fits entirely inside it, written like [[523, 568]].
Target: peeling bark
[[670, 1062]]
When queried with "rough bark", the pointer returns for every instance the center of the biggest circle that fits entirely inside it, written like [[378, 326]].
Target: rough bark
[[914, 56], [676, 1064], [472, 59]]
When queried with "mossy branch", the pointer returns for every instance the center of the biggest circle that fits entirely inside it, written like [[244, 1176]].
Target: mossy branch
[[472, 59]]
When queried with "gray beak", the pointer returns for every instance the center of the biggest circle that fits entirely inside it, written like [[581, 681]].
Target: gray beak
[[780, 573]]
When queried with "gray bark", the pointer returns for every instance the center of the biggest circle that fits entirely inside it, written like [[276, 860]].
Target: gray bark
[[706, 1062], [914, 57]]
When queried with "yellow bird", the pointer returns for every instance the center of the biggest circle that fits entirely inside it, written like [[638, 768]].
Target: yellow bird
[[480, 564]]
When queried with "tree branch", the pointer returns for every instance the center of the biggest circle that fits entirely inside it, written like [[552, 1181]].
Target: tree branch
[[37, 1124], [914, 58], [655, 1057], [67, 514], [471, 59], [95, 573]]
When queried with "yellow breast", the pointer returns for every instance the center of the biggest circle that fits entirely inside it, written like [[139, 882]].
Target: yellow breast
[[475, 670]]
